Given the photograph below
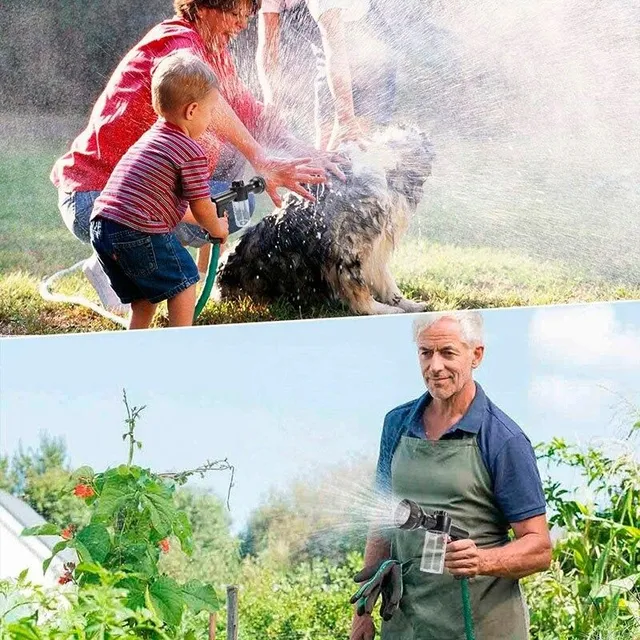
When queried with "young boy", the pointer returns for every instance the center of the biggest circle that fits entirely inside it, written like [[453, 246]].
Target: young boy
[[148, 193]]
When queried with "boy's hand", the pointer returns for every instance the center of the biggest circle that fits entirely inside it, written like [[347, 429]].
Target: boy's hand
[[222, 228], [206, 215]]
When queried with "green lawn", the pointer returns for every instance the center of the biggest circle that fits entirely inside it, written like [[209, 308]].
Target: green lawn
[[475, 272]]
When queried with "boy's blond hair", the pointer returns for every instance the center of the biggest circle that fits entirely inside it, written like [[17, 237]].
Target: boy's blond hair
[[178, 80]]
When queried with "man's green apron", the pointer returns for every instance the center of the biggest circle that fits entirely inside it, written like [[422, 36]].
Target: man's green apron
[[450, 475]]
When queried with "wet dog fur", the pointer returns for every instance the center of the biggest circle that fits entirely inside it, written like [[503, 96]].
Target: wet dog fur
[[340, 247]]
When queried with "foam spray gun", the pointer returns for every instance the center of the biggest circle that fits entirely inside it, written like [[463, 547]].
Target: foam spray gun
[[238, 196], [387, 579]]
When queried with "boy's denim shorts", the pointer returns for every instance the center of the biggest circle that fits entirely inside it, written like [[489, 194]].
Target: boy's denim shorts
[[142, 266]]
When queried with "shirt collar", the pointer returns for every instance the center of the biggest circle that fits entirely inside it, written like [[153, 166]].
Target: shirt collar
[[470, 422]]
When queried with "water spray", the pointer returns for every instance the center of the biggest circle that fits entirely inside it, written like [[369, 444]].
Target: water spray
[[238, 196]]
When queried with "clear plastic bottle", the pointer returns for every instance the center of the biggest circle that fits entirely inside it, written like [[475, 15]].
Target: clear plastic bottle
[[241, 212], [433, 550]]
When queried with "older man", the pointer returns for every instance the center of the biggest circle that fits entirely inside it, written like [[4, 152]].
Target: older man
[[453, 449]]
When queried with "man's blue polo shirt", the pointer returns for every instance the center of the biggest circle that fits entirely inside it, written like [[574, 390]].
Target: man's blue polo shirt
[[505, 449]]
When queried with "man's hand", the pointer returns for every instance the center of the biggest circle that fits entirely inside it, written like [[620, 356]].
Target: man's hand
[[362, 628], [290, 174], [463, 558]]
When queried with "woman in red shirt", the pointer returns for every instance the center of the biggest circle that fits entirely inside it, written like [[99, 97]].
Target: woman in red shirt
[[123, 112]]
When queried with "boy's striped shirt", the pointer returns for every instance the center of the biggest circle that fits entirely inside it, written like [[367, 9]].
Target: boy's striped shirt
[[151, 186]]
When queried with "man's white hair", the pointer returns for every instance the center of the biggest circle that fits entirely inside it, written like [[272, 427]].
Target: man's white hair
[[471, 325]]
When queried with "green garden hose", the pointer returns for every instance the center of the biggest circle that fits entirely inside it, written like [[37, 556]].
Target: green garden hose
[[209, 280], [466, 609]]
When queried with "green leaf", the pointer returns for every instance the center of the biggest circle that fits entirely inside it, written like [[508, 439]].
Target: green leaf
[[83, 473], [620, 585], [113, 495], [96, 540], [57, 548], [23, 631], [47, 529], [136, 590], [83, 553], [166, 600], [89, 567], [158, 499], [182, 530], [23, 575], [199, 596], [138, 557]]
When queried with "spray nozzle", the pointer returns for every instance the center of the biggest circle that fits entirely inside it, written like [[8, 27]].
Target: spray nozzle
[[409, 515], [238, 197]]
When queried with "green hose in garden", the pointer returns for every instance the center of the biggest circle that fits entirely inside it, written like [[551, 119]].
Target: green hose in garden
[[466, 608], [209, 280]]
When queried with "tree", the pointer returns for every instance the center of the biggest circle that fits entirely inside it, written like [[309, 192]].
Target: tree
[[216, 556], [40, 477]]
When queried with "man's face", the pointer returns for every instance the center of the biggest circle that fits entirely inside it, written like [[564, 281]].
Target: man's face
[[446, 361]]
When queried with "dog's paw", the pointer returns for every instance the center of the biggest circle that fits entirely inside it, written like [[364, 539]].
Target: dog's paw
[[413, 307], [379, 308]]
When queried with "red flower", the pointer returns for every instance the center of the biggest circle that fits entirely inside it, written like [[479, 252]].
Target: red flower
[[83, 491], [67, 532], [164, 545], [65, 578]]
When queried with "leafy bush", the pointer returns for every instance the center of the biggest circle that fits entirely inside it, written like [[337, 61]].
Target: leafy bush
[[133, 516], [307, 602], [593, 587], [100, 611]]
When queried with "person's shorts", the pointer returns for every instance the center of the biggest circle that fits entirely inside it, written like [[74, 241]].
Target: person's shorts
[[142, 266], [76, 207]]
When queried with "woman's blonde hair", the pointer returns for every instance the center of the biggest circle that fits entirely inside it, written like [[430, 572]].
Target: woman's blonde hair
[[188, 9]]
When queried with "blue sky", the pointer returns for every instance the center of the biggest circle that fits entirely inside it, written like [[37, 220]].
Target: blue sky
[[283, 400]]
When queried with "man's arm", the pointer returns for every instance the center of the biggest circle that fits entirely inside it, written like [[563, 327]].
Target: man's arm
[[376, 551], [529, 553]]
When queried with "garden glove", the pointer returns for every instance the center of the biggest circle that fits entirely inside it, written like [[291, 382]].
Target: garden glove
[[384, 578]]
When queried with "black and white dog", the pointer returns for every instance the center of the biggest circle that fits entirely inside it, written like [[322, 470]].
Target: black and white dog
[[339, 247]]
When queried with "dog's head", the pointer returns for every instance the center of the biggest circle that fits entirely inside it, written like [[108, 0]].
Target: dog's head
[[402, 155]]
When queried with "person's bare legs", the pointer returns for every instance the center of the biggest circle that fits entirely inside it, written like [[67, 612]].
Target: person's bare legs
[[204, 256], [181, 308], [142, 312]]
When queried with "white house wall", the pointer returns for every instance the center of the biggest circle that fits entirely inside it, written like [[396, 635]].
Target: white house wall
[[18, 553]]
